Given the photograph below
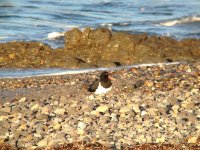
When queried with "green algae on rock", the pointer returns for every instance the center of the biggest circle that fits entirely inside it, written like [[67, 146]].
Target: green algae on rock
[[99, 48]]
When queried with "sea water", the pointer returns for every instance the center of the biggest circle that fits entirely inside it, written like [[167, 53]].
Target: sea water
[[34, 20]]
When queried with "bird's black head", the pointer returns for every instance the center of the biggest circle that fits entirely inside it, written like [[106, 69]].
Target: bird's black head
[[104, 76]]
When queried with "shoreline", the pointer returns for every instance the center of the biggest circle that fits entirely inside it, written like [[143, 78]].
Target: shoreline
[[148, 104], [42, 72]]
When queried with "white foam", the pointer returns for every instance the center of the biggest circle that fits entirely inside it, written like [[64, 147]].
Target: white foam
[[180, 21], [3, 37], [55, 35], [25, 73]]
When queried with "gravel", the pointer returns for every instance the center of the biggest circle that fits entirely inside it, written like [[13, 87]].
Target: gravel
[[159, 104]]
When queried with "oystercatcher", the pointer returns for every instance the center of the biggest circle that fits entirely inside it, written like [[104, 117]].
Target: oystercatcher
[[102, 85]]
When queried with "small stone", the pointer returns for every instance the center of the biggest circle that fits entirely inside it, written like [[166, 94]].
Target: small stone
[[104, 136], [22, 127], [160, 140], [42, 117], [67, 128], [149, 83], [35, 107], [193, 139], [143, 113], [62, 100], [91, 97], [4, 135], [3, 118], [42, 143], [57, 126], [80, 131], [28, 144], [188, 105], [124, 109], [16, 110], [60, 136], [102, 108], [23, 108], [195, 91], [71, 111], [148, 139], [87, 108], [81, 125], [55, 103], [95, 113], [7, 104], [6, 109], [59, 111], [175, 108], [37, 135], [46, 109], [33, 147], [114, 117], [57, 120], [136, 108], [52, 143], [87, 120], [156, 125], [29, 137], [23, 99], [86, 139], [141, 139], [2, 123], [152, 111]]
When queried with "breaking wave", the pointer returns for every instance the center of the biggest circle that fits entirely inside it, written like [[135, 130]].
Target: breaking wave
[[184, 20]]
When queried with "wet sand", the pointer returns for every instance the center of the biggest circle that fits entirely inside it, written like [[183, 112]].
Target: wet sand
[[157, 104]]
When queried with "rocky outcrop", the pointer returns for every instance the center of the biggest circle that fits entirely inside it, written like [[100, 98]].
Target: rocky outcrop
[[99, 48]]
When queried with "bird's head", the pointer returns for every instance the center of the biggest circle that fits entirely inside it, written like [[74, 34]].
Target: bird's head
[[104, 76]]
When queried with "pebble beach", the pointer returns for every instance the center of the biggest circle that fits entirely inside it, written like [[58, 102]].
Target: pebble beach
[[52, 51], [157, 105]]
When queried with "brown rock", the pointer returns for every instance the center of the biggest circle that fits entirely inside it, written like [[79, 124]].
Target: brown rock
[[85, 36], [73, 38], [42, 117], [93, 46], [100, 36]]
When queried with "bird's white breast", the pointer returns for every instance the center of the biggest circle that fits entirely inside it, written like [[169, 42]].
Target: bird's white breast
[[102, 90]]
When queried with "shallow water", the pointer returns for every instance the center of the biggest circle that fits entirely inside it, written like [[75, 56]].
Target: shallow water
[[25, 73], [35, 19]]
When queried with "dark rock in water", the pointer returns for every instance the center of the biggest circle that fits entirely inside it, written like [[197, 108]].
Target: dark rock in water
[[99, 48]]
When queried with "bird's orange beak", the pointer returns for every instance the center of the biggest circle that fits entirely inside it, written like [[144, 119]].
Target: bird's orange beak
[[111, 78]]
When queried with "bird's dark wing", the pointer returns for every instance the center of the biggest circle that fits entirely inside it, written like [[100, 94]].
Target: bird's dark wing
[[93, 86], [106, 84]]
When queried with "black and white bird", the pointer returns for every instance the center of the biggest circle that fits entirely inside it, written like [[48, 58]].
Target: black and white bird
[[102, 85]]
